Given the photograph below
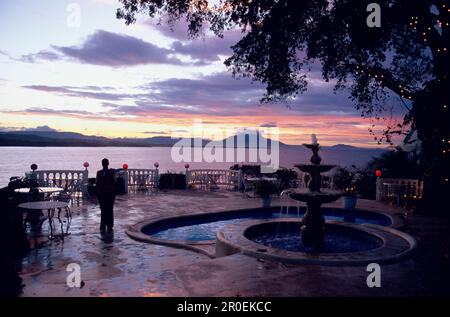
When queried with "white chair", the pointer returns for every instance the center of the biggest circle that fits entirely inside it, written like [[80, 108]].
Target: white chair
[[248, 187]]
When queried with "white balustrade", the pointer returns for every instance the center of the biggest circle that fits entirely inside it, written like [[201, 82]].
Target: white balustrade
[[71, 180], [207, 177], [386, 187], [141, 178]]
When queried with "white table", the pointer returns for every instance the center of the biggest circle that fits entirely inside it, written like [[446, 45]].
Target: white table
[[44, 190], [256, 179], [51, 207]]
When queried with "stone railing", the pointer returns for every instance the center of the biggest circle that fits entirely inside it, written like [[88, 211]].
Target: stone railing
[[143, 178], [387, 187], [70, 180], [207, 178]]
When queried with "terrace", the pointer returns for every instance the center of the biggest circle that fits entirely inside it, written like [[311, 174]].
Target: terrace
[[117, 265]]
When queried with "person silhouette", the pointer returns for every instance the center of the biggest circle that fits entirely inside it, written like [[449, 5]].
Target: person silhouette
[[106, 193]]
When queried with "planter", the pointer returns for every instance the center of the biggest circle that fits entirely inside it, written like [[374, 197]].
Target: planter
[[266, 201], [172, 181], [350, 202]]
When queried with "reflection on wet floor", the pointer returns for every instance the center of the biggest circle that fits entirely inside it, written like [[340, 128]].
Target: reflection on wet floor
[[112, 264]]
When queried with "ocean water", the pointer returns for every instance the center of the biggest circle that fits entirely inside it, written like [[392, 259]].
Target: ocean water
[[15, 161]]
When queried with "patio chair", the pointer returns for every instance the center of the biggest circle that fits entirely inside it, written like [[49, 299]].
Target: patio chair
[[142, 182], [203, 179], [232, 184], [248, 187]]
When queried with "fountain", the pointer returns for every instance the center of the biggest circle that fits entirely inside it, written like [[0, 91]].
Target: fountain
[[281, 237], [313, 222]]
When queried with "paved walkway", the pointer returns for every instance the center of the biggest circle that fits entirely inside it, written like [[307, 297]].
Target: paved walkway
[[119, 266]]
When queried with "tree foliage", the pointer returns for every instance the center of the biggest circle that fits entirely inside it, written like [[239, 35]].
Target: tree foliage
[[406, 58]]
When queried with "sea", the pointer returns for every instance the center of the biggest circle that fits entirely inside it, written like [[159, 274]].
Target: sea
[[15, 161]]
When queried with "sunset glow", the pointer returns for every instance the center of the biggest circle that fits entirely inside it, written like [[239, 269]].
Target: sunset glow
[[105, 78]]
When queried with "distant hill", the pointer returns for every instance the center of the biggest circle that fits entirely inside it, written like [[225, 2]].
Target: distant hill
[[333, 154], [55, 138], [290, 154]]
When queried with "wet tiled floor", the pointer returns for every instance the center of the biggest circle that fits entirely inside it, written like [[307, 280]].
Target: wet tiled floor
[[116, 265]]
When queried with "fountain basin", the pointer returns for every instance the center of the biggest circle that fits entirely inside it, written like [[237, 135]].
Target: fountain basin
[[338, 239], [195, 231], [373, 243]]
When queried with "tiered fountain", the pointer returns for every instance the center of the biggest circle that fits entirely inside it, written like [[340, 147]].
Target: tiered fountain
[[311, 240], [313, 222]]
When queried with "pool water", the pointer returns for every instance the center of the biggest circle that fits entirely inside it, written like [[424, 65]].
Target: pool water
[[205, 227], [287, 236]]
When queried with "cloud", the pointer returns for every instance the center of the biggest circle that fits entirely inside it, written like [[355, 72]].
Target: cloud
[[112, 49], [217, 94], [175, 29], [220, 94], [203, 49], [209, 48], [94, 93], [42, 128], [214, 95], [155, 132], [49, 111], [39, 56], [66, 113], [269, 125]]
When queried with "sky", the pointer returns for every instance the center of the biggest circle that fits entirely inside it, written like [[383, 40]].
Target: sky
[[97, 76]]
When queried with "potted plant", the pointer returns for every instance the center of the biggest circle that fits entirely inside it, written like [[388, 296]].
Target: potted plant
[[345, 180], [265, 189]]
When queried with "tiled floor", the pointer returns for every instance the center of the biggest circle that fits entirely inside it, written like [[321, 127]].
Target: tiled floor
[[119, 266]]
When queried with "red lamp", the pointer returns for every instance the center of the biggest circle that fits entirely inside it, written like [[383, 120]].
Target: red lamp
[[125, 166], [156, 164], [86, 164], [186, 165], [378, 173], [33, 167]]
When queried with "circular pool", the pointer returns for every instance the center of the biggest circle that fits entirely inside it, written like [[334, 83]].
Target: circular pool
[[197, 232], [345, 243], [286, 236], [203, 227]]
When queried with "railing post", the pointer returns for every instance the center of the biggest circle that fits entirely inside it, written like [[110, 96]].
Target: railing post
[[33, 174], [188, 175], [125, 180], [240, 180], [156, 176], [85, 181], [379, 189]]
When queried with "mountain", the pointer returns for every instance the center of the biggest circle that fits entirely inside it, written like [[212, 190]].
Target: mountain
[[55, 138], [247, 139], [290, 155], [58, 135]]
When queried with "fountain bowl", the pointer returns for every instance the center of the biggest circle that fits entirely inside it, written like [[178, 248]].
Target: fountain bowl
[[389, 245], [312, 168]]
